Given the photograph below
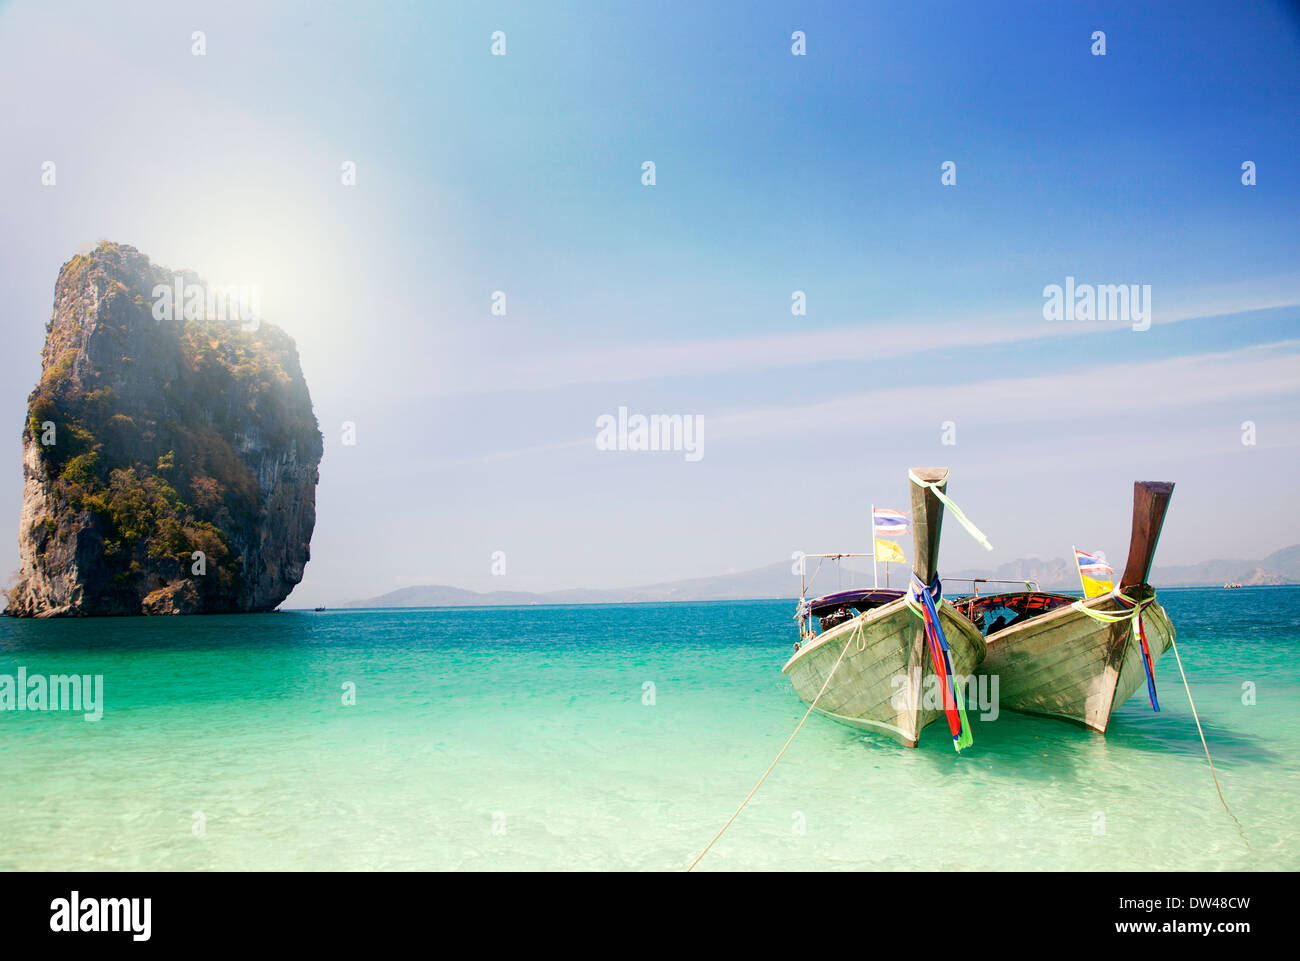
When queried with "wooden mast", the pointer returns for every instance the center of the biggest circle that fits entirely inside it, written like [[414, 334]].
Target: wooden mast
[[1150, 501], [927, 519]]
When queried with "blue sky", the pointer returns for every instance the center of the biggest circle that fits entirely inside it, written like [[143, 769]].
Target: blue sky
[[774, 173]]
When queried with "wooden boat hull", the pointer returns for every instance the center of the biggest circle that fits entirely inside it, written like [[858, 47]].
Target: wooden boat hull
[[881, 684], [1065, 664]]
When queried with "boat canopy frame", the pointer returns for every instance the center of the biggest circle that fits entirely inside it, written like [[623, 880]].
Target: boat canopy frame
[[1030, 584], [804, 612], [863, 598]]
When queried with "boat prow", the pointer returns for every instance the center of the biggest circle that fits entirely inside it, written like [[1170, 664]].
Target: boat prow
[[1081, 660], [873, 670], [880, 686]]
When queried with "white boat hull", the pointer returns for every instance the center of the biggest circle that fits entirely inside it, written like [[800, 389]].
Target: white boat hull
[[1067, 665], [881, 683]]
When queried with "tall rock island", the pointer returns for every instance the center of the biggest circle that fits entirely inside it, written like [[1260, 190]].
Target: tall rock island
[[170, 454]]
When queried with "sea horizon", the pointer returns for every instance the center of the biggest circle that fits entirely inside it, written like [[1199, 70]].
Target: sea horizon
[[794, 597]]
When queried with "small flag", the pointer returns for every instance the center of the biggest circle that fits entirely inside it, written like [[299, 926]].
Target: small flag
[[1094, 573], [889, 552], [888, 523], [1092, 564]]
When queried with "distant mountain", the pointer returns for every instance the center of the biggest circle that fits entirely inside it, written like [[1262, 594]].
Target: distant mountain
[[1280, 567], [776, 581], [772, 581], [437, 595], [1052, 574]]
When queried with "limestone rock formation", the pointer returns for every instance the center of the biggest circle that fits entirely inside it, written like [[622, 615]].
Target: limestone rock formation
[[170, 463]]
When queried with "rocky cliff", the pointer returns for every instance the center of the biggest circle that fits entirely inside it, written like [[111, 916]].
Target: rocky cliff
[[170, 454]]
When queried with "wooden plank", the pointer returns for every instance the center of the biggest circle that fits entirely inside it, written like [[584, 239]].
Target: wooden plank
[[1054, 668], [1067, 665], [1150, 502], [927, 521], [862, 690]]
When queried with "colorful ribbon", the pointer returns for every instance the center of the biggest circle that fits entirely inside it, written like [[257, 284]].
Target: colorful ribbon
[[954, 707]]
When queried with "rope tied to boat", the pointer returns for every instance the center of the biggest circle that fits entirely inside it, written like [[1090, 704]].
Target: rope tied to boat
[[1136, 629], [790, 740], [923, 600], [1187, 687], [1135, 615]]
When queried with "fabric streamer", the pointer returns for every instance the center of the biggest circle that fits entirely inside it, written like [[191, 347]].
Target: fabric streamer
[[929, 596], [954, 706], [953, 509], [1146, 657]]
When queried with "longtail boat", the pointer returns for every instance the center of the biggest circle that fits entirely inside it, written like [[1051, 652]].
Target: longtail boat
[[880, 651], [1057, 655]]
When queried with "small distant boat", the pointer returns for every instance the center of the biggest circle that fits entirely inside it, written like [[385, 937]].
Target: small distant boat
[[873, 659], [1057, 655], [1230, 586], [318, 609]]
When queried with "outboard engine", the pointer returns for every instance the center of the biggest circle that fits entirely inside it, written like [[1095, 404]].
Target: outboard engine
[[835, 618]]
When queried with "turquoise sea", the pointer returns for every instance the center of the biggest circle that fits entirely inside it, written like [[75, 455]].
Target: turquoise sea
[[616, 737]]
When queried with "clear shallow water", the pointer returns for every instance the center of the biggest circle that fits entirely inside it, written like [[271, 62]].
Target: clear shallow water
[[518, 739]]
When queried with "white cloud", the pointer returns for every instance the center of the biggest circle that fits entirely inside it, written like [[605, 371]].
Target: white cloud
[[1122, 390], [535, 369], [1129, 393]]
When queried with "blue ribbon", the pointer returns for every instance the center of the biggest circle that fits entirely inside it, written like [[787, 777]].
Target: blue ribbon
[[928, 595]]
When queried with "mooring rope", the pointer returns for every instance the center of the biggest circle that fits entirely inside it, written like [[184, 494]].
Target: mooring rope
[[1136, 615], [858, 635], [848, 642], [1115, 617], [1201, 731]]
